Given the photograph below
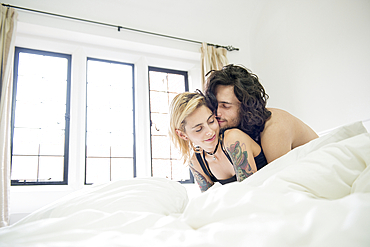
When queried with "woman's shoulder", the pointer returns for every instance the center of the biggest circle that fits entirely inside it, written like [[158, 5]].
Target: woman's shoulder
[[193, 158], [194, 163], [232, 136], [236, 134]]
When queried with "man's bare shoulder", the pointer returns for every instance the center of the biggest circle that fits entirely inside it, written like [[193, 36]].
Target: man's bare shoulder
[[282, 133], [280, 114], [280, 119], [283, 119], [290, 126]]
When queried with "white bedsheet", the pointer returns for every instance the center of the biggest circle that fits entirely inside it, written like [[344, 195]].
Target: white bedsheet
[[316, 195]]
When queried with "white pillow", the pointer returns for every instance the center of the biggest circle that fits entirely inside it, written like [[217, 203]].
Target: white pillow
[[328, 172], [293, 156], [151, 195]]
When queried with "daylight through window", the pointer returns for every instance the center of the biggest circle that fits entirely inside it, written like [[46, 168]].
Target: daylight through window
[[164, 85], [40, 117], [110, 121]]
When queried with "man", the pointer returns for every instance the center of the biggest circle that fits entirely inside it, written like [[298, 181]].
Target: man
[[239, 100]]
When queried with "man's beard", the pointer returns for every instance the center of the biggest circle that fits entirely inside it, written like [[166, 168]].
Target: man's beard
[[234, 123]]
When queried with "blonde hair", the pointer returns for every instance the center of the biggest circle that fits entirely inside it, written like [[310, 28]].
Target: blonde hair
[[181, 107]]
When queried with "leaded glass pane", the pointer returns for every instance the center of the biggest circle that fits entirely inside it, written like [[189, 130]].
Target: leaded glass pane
[[166, 159], [50, 168], [176, 83], [161, 147], [97, 170], [122, 168], [158, 81], [159, 102], [162, 168], [24, 168]]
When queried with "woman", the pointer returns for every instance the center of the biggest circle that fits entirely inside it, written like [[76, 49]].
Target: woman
[[213, 156]]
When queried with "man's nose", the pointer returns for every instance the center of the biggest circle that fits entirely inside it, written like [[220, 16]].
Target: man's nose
[[218, 112]]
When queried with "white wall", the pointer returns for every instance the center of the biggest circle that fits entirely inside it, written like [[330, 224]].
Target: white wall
[[313, 56], [204, 21]]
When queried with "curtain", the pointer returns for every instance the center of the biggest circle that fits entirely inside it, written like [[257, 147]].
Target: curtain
[[212, 59], [7, 33]]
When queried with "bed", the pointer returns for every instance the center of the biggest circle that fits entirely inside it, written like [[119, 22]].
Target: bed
[[316, 195]]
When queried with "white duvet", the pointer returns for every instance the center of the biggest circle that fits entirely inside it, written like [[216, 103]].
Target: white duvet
[[316, 195]]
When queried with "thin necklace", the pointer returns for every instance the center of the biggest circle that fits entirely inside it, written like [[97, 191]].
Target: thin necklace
[[213, 153]]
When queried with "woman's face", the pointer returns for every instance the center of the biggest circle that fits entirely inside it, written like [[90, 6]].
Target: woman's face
[[202, 128]]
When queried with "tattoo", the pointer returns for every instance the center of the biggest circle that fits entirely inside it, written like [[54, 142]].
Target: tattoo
[[201, 180], [240, 161]]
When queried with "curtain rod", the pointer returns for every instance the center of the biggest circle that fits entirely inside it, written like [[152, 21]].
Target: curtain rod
[[229, 48]]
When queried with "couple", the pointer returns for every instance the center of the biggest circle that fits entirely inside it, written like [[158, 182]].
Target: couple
[[231, 131]]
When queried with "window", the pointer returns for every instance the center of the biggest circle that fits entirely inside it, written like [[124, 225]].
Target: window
[[40, 119], [74, 122], [164, 85], [109, 121]]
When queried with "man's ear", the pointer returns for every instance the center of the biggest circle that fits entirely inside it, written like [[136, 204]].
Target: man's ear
[[182, 135]]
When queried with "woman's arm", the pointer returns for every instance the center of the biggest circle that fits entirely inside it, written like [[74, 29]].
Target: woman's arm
[[239, 146], [202, 179]]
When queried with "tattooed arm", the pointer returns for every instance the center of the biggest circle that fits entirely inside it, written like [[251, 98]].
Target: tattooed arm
[[201, 178], [240, 148]]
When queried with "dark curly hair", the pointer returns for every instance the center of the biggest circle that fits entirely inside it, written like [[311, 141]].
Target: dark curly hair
[[248, 90]]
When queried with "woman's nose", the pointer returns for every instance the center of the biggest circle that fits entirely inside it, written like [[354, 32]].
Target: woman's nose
[[209, 131]]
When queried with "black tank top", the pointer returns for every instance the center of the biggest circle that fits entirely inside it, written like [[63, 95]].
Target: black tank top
[[260, 160]]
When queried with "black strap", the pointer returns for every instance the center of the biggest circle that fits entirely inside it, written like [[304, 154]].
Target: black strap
[[223, 147], [206, 170]]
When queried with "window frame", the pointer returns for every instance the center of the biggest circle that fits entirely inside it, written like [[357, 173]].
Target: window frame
[[169, 71], [133, 110], [18, 50]]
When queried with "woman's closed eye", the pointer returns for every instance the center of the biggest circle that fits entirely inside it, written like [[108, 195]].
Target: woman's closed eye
[[199, 129]]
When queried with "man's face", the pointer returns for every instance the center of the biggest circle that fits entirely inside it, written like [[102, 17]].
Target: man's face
[[228, 110]]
